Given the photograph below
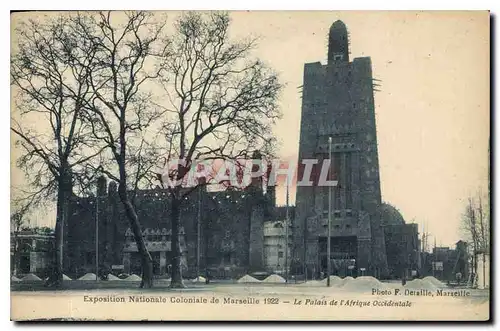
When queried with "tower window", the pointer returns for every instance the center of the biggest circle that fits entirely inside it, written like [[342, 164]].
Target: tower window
[[338, 57]]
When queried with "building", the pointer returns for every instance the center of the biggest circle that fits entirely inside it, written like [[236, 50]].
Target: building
[[230, 235], [444, 262], [277, 260], [402, 244], [402, 249], [338, 102], [31, 251]]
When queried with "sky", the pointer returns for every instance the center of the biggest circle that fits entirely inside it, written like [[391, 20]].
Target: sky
[[432, 110]]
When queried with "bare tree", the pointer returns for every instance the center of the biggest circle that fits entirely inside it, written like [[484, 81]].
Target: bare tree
[[50, 67], [17, 222], [220, 105], [121, 109], [470, 227], [484, 234], [484, 226], [475, 224]]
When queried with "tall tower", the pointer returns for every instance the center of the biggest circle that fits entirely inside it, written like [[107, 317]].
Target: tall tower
[[338, 102]]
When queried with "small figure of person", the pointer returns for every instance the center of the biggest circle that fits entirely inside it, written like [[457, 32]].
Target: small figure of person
[[458, 277]]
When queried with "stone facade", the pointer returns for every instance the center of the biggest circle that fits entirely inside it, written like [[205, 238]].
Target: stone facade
[[338, 102], [275, 242], [34, 252], [231, 231], [403, 251]]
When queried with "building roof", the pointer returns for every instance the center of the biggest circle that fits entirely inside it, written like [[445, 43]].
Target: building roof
[[390, 215]]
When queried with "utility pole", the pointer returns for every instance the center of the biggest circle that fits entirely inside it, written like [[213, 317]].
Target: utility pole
[[328, 253], [474, 239], [198, 233], [287, 220], [97, 236], [423, 237], [435, 258]]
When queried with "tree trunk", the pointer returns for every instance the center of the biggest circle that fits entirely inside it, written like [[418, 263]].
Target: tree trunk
[[16, 253], [483, 242], [146, 260], [484, 270], [63, 197], [475, 260], [473, 272], [176, 281]]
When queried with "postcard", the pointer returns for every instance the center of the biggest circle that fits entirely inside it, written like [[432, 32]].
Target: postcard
[[250, 166]]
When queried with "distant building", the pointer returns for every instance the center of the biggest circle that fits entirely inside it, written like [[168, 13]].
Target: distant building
[[461, 259], [444, 263], [31, 251]]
